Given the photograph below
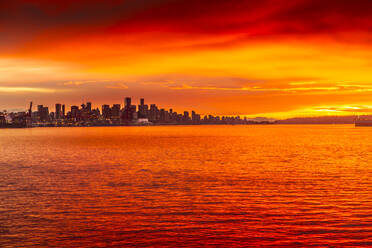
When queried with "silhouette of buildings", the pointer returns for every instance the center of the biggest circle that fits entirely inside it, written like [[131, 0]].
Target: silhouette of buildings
[[58, 113], [86, 115]]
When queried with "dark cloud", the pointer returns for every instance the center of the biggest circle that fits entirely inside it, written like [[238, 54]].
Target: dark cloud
[[209, 15], [21, 20], [260, 17]]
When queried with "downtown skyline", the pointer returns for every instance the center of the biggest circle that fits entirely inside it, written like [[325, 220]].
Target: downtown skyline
[[128, 114], [268, 58]]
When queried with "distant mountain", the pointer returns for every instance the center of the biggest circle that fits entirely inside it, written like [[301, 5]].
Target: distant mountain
[[322, 120], [262, 119]]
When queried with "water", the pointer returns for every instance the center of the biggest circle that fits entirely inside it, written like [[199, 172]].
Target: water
[[192, 186]]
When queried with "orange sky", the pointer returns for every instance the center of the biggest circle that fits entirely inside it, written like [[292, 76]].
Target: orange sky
[[270, 58]]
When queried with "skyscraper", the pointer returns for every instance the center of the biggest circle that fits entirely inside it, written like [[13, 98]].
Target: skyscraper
[[153, 113], [106, 111], [43, 113], [115, 111], [58, 113], [128, 101], [143, 109], [74, 111], [63, 111], [89, 107]]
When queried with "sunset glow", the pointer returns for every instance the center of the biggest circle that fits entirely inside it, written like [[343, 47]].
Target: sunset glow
[[255, 58]]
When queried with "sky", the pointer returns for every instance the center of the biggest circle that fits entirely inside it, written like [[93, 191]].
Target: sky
[[273, 58]]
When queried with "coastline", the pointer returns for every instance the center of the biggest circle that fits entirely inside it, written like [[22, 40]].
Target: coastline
[[9, 126]]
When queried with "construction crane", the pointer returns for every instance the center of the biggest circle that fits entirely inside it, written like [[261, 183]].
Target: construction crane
[[30, 109], [27, 122]]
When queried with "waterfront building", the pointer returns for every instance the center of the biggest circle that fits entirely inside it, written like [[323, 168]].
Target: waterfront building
[[128, 101], [74, 112], [115, 111], [58, 112], [106, 111], [89, 107], [63, 111], [142, 109], [43, 113]]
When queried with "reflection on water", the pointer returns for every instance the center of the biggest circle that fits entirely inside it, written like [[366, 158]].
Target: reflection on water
[[189, 186]]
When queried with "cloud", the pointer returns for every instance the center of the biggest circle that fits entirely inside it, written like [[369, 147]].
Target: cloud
[[252, 88], [245, 19], [5, 89], [78, 83], [349, 109], [303, 83], [159, 83], [253, 18], [120, 86]]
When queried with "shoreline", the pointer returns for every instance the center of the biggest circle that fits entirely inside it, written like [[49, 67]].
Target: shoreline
[[134, 125], [211, 124]]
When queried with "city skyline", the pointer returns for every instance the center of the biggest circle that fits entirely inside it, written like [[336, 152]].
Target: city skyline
[[128, 114], [333, 112], [259, 58], [117, 114], [53, 107]]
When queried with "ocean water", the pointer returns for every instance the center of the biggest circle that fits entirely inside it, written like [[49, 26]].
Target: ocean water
[[186, 186]]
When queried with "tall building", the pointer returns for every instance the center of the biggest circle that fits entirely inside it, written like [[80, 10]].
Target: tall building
[[115, 111], [128, 101], [143, 109], [74, 111], [106, 111], [153, 113], [186, 115], [129, 111], [195, 117], [40, 109], [162, 115], [132, 112], [89, 107], [63, 111], [58, 112], [43, 113]]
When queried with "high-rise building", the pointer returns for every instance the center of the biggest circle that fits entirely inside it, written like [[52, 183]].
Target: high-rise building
[[58, 113], [89, 107], [40, 109], [153, 113], [143, 109], [106, 111], [43, 113], [132, 112], [129, 111], [74, 111], [63, 111], [115, 111], [186, 116], [162, 115], [128, 101]]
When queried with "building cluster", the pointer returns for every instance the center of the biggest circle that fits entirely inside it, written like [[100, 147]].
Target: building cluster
[[114, 115]]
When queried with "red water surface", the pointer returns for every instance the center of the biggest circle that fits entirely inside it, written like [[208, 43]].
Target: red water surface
[[186, 186]]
